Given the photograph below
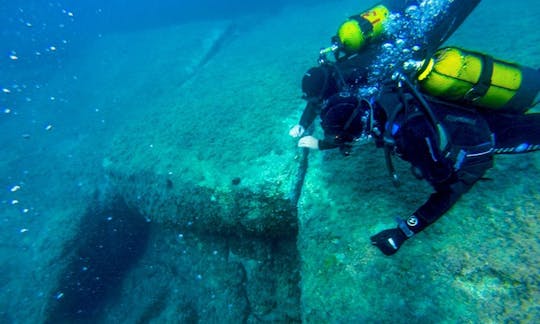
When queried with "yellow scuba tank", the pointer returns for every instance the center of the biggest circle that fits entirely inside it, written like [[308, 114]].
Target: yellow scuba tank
[[354, 33], [464, 76]]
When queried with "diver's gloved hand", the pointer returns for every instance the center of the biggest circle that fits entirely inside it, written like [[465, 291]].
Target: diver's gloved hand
[[389, 241], [296, 131]]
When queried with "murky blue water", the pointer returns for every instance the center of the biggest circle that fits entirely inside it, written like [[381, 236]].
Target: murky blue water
[[57, 118]]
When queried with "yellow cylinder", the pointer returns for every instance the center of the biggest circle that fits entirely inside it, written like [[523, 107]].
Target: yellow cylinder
[[354, 33], [459, 75]]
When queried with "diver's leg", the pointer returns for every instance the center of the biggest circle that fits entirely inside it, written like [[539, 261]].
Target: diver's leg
[[515, 133]]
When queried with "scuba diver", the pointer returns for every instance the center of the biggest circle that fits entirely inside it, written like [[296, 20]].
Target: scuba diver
[[449, 145], [447, 115], [360, 42]]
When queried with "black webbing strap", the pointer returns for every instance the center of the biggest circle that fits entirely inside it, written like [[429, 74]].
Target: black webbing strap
[[481, 87], [355, 113], [365, 25]]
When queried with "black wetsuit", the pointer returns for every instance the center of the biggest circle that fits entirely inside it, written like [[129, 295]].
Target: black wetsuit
[[471, 138]]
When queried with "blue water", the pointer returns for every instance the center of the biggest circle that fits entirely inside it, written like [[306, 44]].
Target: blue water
[[60, 110], [38, 33], [42, 41]]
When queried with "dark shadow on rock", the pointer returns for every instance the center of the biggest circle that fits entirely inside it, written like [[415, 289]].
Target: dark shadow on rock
[[109, 242]]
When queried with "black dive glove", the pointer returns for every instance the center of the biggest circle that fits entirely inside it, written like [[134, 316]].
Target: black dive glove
[[389, 241]]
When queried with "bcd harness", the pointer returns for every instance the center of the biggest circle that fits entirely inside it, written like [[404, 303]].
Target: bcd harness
[[461, 135]]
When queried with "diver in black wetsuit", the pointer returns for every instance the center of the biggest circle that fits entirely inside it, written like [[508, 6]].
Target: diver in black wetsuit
[[449, 144], [355, 57]]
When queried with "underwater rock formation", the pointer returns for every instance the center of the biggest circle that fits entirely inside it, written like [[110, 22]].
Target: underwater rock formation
[[222, 202], [211, 166]]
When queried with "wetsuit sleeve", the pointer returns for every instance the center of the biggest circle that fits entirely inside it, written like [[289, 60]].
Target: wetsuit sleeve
[[327, 144], [437, 205], [310, 113], [446, 195]]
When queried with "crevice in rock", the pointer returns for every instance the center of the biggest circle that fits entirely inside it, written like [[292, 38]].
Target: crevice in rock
[[231, 278], [270, 277], [300, 176]]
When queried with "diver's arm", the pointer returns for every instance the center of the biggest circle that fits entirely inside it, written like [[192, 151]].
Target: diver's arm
[[437, 205], [445, 196], [310, 113], [308, 116], [448, 192], [327, 145], [390, 240], [312, 142]]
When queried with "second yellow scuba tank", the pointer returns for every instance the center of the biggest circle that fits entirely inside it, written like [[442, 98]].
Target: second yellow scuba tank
[[354, 33], [464, 76]]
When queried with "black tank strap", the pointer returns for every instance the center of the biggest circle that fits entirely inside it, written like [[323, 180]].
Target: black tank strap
[[365, 26], [484, 81]]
